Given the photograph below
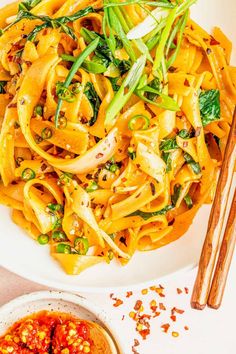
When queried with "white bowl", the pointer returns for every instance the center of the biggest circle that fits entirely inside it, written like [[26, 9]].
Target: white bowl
[[22, 255], [71, 304]]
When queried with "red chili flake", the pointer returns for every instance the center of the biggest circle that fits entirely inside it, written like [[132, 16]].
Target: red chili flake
[[145, 316], [197, 131], [12, 105], [214, 41], [165, 327], [203, 168], [208, 51], [186, 290], [173, 318], [179, 291], [129, 293], [118, 302], [136, 344], [153, 308], [156, 314], [186, 328], [99, 155], [162, 306], [159, 291], [123, 179], [185, 144], [138, 305], [179, 311], [186, 83], [134, 350], [153, 189], [144, 333]]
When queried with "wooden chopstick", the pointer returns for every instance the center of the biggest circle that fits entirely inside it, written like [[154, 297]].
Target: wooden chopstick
[[210, 248], [224, 259]]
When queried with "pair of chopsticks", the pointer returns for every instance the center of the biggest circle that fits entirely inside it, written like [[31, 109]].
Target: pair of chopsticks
[[209, 288]]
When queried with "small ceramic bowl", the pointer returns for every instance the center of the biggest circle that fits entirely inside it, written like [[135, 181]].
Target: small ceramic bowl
[[71, 304]]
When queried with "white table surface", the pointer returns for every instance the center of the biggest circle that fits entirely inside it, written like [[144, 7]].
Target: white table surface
[[210, 331]]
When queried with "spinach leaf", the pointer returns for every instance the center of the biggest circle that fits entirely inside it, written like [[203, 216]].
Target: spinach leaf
[[122, 65], [209, 102], [169, 144], [113, 81], [155, 84], [147, 216], [103, 54], [2, 86], [103, 51], [94, 99], [175, 196], [166, 156], [131, 153], [184, 134], [188, 201], [194, 165]]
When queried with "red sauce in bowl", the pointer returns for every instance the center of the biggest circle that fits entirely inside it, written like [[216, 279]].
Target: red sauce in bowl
[[47, 333]]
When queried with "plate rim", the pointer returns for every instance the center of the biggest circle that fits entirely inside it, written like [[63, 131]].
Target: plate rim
[[95, 290]]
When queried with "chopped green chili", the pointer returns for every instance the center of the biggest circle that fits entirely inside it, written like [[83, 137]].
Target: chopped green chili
[[38, 110], [55, 207], [46, 133], [59, 236], [43, 239], [63, 248], [92, 187], [64, 93], [81, 245], [28, 174], [145, 120]]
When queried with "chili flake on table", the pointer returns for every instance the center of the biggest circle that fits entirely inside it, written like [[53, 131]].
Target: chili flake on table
[[143, 315], [47, 332]]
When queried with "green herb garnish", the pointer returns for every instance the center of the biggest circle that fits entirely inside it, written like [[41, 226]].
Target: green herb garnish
[[193, 164], [79, 60], [169, 144], [94, 100], [147, 216], [2, 86], [209, 102], [188, 201], [175, 196]]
